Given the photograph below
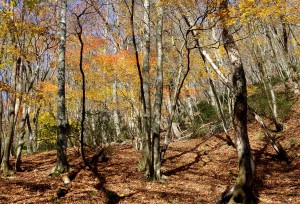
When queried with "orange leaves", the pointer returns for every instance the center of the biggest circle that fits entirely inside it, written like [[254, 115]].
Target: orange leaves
[[5, 87], [46, 92], [47, 87], [101, 69]]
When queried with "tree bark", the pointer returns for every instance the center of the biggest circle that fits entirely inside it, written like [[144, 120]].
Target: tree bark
[[83, 99], [61, 160], [158, 96], [29, 136], [115, 111], [146, 160], [34, 138], [243, 189], [12, 117], [21, 141]]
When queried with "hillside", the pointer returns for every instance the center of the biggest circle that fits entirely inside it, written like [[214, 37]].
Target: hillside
[[197, 171]]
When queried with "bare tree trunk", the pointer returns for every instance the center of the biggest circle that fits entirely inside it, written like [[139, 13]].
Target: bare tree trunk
[[62, 164], [221, 113], [20, 139], [29, 135], [190, 107], [158, 96], [278, 50], [34, 138], [276, 119], [115, 111], [79, 35], [276, 145], [272, 101], [12, 117], [242, 192], [171, 106], [147, 158]]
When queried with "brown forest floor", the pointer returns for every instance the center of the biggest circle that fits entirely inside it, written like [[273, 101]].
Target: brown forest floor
[[197, 171]]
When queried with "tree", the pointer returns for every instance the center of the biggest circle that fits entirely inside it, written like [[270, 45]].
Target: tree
[[158, 95], [146, 139], [61, 160], [242, 190], [151, 159]]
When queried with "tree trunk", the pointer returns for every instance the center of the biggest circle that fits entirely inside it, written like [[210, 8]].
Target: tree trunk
[[158, 96], [270, 93], [221, 113], [171, 105], [12, 117], [276, 119], [20, 139], [276, 145], [190, 108], [243, 189], [34, 138], [29, 136], [115, 111], [61, 160], [146, 160]]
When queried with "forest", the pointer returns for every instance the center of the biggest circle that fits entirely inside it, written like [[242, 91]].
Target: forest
[[150, 101]]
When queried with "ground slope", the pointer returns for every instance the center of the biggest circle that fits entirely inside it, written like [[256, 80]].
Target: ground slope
[[197, 171]]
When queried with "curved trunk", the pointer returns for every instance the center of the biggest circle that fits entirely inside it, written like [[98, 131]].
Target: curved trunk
[[243, 189], [242, 192]]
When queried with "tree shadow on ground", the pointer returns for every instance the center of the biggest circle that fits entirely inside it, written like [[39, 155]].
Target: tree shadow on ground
[[184, 167], [34, 187], [183, 152], [189, 165], [111, 196], [268, 164]]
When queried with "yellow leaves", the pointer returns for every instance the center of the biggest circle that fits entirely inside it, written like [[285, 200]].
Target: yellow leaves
[[202, 73], [30, 56], [47, 118], [246, 11], [252, 90], [2, 66], [296, 51], [224, 71]]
